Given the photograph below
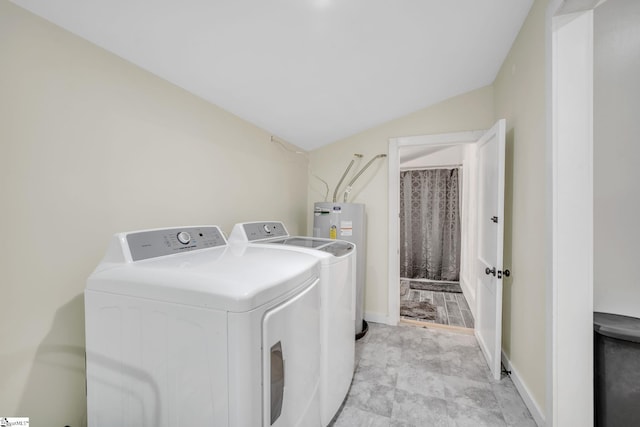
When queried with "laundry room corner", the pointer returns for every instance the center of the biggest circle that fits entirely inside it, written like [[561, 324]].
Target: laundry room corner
[[469, 111]]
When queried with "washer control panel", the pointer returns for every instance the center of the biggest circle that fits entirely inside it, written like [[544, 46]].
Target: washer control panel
[[156, 243], [264, 230]]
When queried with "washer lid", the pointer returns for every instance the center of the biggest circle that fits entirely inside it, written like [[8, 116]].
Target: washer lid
[[617, 326], [336, 248], [227, 278], [303, 242]]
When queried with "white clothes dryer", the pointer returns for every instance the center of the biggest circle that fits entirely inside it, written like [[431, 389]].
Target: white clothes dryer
[[337, 302], [183, 329]]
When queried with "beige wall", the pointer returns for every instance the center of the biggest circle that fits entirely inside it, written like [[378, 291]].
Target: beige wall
[[616, 154], [91, 145], [471, 111], [519, 92]]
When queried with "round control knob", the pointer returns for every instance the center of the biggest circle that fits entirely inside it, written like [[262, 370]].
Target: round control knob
[[184, 237], [267, 228]]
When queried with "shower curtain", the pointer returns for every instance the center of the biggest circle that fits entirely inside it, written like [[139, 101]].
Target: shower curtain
[[430, 224]]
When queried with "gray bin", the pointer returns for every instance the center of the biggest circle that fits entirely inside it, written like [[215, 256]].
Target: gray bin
[[617, 370]]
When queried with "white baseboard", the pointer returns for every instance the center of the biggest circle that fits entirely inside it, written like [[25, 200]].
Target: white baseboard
[[533, 407], [378, 318]]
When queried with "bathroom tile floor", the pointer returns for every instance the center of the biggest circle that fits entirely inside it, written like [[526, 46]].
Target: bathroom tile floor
[[408, 376], [450, 308]]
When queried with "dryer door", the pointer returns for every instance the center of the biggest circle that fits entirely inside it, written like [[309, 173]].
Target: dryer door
[[291, 361]]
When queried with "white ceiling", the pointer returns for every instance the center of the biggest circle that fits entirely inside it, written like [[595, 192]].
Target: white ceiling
[[309, 71]]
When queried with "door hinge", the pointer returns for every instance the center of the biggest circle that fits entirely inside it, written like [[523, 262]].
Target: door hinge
[[494, 219]]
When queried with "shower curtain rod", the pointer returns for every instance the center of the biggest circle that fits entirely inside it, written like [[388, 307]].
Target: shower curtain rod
[[430, 168]]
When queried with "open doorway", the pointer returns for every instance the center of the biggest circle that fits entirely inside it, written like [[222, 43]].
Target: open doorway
[[481, 229], [432, 153], [431, 202]]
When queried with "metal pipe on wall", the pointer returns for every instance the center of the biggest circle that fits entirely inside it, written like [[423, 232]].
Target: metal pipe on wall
[[335, 193], [348, 190]]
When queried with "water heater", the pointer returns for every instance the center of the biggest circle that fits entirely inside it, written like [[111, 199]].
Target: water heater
[[346, 221]]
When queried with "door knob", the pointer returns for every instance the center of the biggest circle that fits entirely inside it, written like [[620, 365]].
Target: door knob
[[491, 271]]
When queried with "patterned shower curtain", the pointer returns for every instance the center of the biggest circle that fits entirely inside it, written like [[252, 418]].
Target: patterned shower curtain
[[430, 224]]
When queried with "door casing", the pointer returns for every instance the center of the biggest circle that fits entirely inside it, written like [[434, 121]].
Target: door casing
[[395, 147]]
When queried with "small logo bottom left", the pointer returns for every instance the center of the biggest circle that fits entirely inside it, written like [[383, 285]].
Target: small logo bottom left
[[14, 421]]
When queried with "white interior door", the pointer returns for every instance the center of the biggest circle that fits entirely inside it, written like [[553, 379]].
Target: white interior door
[[490, 271]]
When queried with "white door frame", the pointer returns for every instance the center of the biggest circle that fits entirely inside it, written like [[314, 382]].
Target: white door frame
[[569, 213], [395, 144]]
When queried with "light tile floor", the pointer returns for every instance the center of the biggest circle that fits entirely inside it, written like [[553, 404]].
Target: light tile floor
[[407, 376]]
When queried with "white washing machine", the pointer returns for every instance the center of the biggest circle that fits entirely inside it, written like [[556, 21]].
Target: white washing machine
[[337, 302], [183, 329]]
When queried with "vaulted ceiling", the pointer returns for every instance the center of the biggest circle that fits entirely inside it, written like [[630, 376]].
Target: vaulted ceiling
[[309, 71]]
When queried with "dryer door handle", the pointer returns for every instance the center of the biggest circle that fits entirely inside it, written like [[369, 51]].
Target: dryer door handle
[[277, 381]]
